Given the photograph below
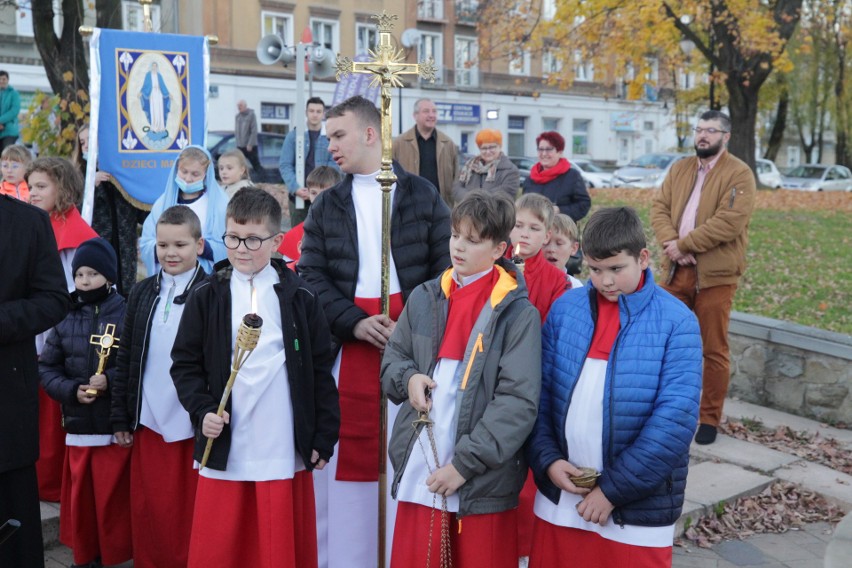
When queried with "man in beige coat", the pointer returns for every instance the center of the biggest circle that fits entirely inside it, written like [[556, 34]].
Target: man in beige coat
[[427, 152], [701, 218]]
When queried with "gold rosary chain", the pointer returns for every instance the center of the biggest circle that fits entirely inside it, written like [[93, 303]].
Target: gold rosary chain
[[446, 553]]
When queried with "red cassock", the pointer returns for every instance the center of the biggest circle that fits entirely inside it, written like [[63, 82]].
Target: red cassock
[[476, 541], [262, 524], [162, 497], [94, 514], [563, 547]]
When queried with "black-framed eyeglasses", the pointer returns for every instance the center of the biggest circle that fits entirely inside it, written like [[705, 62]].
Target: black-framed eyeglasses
[[252, 243], [710, 131]]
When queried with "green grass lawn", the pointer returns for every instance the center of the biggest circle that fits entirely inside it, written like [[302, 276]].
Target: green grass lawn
[[799, 255]]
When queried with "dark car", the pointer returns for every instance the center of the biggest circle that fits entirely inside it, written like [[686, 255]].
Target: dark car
[[268, 149]]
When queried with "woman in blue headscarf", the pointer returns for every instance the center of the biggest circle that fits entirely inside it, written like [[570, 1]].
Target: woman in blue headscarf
[[192, 182]]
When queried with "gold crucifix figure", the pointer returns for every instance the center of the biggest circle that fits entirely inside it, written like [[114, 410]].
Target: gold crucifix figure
[[105, 342], [387, 66]]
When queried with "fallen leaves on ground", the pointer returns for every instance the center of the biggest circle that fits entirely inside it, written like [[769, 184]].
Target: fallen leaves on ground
[[777, 200], [781, 507], [810, 446]]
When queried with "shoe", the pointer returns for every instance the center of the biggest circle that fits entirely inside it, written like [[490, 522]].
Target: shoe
[[706, 434]]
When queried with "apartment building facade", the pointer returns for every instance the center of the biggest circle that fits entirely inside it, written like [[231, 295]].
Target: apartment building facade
[[472, 91]]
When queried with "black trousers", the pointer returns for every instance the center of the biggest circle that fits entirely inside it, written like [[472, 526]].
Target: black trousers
[[19, 500], [6, 141], [253, 160]]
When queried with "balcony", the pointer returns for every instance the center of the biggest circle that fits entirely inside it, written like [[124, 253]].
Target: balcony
[[466, 12], [467, 78]]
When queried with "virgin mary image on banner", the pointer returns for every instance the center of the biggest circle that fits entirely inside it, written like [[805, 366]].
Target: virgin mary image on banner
[[156, 102]]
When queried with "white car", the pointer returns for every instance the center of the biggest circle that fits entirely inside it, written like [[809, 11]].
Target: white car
[[594, 175], [768, 174], [818, 177]]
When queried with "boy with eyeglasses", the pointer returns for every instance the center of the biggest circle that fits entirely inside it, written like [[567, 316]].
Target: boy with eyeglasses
[[255, 501]]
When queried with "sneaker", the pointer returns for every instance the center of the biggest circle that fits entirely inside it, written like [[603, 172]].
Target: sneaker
[[706, 434]]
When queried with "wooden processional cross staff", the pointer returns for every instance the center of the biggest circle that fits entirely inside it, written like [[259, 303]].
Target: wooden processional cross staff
[[387, 64]]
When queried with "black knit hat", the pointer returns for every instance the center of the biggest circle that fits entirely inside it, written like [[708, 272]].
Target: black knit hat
[[97, 253]]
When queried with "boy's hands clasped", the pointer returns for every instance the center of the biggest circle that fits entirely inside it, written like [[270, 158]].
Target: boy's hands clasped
[[375, 330], [595, 507]]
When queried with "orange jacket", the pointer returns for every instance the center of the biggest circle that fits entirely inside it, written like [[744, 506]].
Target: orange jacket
[[21, 191]]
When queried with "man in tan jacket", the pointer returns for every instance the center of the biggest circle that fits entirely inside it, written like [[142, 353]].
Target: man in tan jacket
[[427, 152], [701, 218]]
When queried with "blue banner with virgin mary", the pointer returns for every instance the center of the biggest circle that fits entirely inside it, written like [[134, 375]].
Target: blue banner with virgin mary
[[148, 97]]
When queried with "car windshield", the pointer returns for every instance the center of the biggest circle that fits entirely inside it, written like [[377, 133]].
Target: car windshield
[[589, 167], [213, 138], [651, 161], [524, 163], [809, 172]]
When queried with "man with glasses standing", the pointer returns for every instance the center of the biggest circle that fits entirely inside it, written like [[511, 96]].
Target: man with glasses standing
[[701, 217]]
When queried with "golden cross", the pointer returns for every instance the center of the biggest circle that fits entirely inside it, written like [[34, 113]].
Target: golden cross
[[387, 65], [105, 342]]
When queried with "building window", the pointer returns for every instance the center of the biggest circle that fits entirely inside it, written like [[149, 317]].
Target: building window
[[583, 71], [430, 9], [794, 156], [517, 136], [278, 24], [133, 18], [580, 137], [431, 45], [467, 54], [520, 64], [326, 33], [365, 38], [466, 11], [648, 125], [551, 64], [548, 124]]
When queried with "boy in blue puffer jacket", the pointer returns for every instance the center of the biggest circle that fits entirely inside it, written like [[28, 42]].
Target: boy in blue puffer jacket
[[95, 501], [621, 379]]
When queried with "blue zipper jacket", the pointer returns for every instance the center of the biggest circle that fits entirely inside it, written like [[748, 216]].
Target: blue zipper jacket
[[287, 161], [650, 406]]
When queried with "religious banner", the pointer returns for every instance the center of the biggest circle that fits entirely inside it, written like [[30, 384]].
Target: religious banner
[[148, 97], [356, 84]]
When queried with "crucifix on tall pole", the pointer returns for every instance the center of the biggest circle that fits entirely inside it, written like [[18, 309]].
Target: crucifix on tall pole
[[387, 65]]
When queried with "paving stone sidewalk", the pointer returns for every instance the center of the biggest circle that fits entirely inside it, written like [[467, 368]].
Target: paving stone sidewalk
[[719, 473]]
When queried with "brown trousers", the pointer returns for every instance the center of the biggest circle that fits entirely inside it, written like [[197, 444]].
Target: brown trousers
[[712, 307]]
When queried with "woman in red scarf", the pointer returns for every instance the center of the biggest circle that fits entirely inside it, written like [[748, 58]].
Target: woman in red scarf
[[55, 185], [554, 178]]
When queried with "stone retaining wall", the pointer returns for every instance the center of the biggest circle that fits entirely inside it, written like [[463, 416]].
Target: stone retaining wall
[[790, 367]]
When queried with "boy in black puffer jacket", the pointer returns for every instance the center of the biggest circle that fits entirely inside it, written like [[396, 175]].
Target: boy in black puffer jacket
[[94, 507]]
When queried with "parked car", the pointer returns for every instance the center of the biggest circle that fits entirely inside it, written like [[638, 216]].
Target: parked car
[[268, 149], [594, 175], [768, 174], [524, 166], [648, 170], [818, 177]]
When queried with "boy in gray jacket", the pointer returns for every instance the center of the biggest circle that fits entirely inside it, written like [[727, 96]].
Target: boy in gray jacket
[[465, 354]]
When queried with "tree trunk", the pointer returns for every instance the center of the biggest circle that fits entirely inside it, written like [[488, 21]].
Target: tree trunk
[[742, 102], [108, 14], [63, 57], [778, 127]]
